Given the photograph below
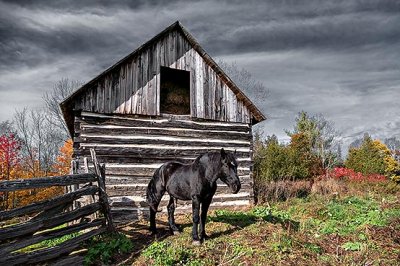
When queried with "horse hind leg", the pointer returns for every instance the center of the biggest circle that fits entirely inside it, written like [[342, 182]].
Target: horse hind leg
[[171, 219], [154, 195]]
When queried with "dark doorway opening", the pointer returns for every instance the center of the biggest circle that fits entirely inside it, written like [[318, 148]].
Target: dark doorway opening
[[174, 91]]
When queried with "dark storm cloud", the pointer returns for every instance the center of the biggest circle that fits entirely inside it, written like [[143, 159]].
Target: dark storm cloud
[[338, 58]]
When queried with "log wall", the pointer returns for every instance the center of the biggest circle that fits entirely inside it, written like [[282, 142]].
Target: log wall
[[133, 148], [134, 86]]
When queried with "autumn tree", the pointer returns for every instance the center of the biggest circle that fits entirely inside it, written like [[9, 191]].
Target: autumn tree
[[9, 159], [320, 136], [372, 157], [39, 141], [63, 162]]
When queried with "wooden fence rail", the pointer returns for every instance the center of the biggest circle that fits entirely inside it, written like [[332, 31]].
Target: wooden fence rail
[[54, 218]]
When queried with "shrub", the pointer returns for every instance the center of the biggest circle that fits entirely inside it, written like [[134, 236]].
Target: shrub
[[103, 248], [281, 190], [351, 175], [328, 186]]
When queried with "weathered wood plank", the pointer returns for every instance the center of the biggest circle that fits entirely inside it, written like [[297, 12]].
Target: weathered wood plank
[[50, 253], [103, 198], [29, 227], [48, 204], [178, 142], [242, 162], [40, 182], [189, 133], [46, 235], [69, 260], [160, 122], [140, 189], [143, 152]]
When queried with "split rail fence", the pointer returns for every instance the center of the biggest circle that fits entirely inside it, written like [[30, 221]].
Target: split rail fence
[[55, 218]]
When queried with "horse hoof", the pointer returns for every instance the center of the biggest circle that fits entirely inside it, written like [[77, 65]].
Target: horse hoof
[[196, 243], [176, 233]]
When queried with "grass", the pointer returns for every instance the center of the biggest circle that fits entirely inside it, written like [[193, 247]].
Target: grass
[[358, 229], [50, 242]]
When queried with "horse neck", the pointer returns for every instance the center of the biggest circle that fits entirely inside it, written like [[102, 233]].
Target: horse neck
[[212, 168]]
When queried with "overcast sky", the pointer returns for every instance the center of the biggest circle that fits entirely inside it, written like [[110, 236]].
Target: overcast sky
[[337, 58]]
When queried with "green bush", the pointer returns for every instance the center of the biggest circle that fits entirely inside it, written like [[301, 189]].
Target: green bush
[[102, 248]]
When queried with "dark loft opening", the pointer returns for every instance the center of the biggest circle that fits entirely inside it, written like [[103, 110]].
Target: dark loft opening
[[175, 91]]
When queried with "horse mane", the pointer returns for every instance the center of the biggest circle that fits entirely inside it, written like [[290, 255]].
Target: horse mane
[[213, 156]]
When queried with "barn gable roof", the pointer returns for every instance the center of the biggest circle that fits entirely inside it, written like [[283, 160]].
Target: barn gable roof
[[67, 104]]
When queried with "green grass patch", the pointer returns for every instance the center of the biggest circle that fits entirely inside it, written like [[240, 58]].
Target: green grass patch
[[164, 253], [348, 215], [348, 229], [50, 242]]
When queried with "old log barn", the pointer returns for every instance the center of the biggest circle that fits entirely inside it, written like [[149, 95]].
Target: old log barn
[[167, 100]]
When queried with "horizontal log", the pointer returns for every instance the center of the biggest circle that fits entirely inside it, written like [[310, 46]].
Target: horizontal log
[[139, 171], [242, 162], [221, 143], [140, 201], [142, 180], [161, 123], [48, 204], [70, 260], [127, 214], [126, 179], [192, 133], [31, 227], [41, 182], [50, 253], [46, 235], [140, 189], [148, 152]]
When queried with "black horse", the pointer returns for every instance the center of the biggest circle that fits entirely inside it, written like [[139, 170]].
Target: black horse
[[196, 182]]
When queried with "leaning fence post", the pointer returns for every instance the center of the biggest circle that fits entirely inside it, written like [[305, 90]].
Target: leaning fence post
[[103, 198]]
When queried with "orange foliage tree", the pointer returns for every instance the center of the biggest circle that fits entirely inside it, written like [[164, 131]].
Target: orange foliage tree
[[63, 164], [61, 167]]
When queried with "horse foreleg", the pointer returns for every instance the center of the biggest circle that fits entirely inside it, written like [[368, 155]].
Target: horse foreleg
[[171, 218], [196, 219], [203, 217], [153, 228]]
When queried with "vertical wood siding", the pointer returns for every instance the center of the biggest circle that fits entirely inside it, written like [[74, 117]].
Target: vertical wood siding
[[134, 88]]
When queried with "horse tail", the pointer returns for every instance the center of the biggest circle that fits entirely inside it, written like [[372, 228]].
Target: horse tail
[[155, 189]]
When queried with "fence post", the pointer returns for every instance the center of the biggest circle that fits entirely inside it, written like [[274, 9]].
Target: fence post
[[103, 198]]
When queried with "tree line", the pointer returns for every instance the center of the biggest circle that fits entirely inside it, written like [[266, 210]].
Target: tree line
[[315, 150], [35, 143]]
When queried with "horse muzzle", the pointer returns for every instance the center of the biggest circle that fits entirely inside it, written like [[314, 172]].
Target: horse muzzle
[[236, 187]]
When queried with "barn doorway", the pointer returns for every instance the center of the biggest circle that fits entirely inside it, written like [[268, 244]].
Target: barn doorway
[[174, 91]]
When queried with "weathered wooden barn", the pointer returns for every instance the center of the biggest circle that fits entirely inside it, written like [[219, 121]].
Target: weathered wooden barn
[[166, 100]]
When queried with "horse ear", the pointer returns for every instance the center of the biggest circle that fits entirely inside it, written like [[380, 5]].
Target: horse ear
[[223, 153]]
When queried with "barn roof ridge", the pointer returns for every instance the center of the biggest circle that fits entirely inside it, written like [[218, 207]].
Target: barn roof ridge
[[257, 114]]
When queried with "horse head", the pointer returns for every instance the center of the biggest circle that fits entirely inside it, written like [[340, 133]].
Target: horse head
[[228, 173]]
